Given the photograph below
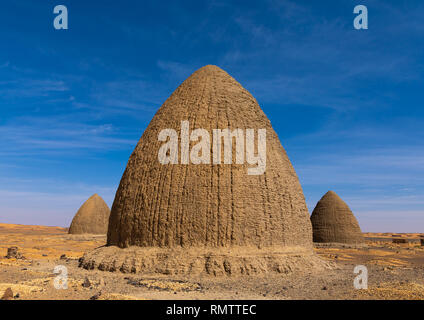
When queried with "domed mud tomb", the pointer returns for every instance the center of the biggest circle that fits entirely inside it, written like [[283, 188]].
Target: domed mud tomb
[[92, 217], [187, 204], [333, 221]]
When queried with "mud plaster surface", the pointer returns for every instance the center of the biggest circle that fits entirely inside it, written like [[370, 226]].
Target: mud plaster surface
[[207, 205], [333, 221], [235, 261], [92, 217]]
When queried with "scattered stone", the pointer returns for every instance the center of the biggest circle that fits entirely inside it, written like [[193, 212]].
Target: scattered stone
[[63, 257], [87, 283], [13, 253], [102, 283], [96, 296], [8, 294], [399, 240]]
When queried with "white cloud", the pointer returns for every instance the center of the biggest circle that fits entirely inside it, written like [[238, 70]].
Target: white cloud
[[36, 135]]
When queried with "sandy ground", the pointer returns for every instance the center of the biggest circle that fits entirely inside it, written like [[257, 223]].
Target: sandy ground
[[396, 271]]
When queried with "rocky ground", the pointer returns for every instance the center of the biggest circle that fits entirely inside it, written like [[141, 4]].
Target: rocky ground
[[396, 271]]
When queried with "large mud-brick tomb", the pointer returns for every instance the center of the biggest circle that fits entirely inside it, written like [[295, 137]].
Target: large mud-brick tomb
[[185, 218], [92, 217], [333, 221]]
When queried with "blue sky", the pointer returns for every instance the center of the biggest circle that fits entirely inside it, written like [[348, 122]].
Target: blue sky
[[347, 104]]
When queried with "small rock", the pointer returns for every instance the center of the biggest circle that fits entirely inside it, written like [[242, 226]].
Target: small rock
[[8, 294], [102, 283], [63, 257], [17, 295], [96, 296], [44, 255], [324, 288], [13, 252], [87, 283]]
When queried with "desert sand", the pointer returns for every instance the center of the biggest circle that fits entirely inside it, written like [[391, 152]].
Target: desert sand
[[395, 272]]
